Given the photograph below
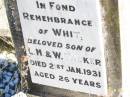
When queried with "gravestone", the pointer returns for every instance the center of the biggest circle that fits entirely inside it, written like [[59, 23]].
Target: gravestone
[[65, 43]]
